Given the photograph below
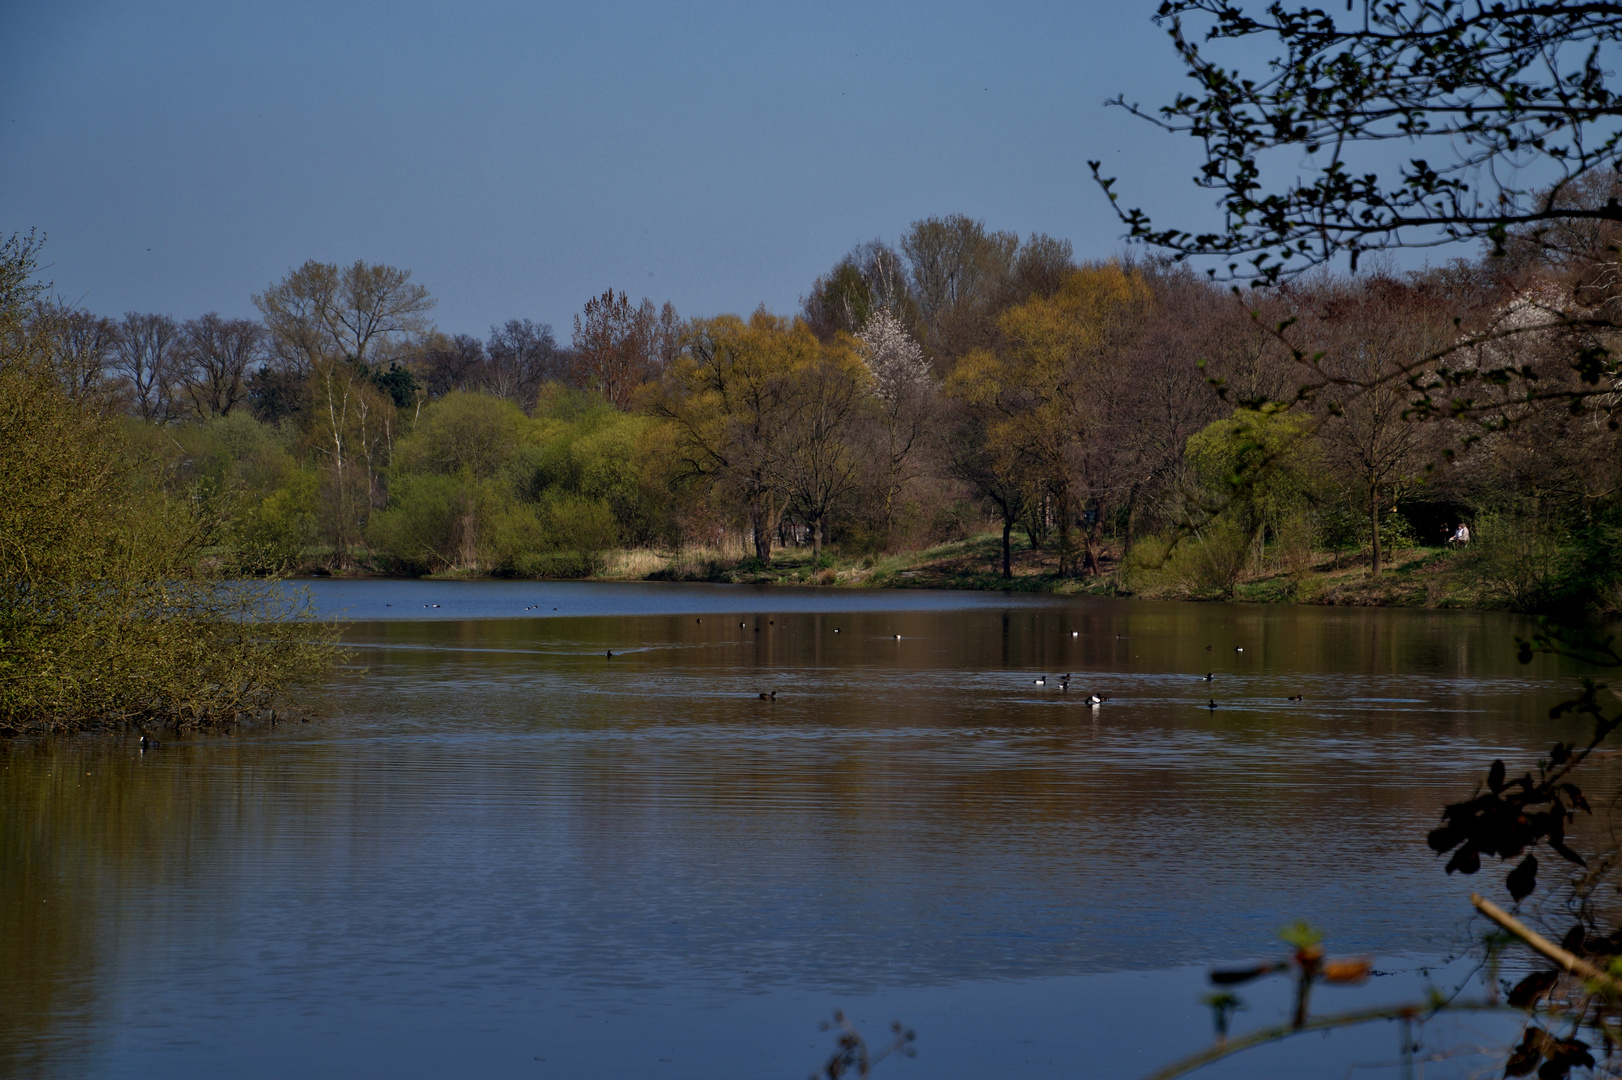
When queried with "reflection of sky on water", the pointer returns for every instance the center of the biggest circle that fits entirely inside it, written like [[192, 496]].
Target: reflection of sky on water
[[501, 845]]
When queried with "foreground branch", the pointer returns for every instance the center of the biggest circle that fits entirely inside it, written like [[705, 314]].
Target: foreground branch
[[1570, 962], [1323, 1023]]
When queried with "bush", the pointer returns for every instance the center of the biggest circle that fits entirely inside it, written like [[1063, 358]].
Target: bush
[[1527, 563], [464, 432], [429, 524], [556, 564], [107, 613], [271, 537]]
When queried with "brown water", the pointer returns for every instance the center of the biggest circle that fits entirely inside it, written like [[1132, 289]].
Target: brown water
[[501, 852]]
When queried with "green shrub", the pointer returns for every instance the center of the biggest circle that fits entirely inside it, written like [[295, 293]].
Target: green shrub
[[555, 564], [272, 536], [464, 432]]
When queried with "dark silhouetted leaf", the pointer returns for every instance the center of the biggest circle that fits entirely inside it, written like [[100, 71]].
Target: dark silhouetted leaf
[[1531, 988], [1523, 879], [1235, 976], [1566, 853], [1525, 1057], [1575, 940], [1467, 860], [1444, 838]]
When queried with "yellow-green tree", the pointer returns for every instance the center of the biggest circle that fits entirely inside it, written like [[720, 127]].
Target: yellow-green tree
[[827, 398], [1047, 392], [730, 396], [109, 612]]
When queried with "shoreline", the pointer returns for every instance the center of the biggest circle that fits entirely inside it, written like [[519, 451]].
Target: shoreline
[[1434, 578]]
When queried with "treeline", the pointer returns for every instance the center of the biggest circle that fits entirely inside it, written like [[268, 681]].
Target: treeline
[[1123, 417]]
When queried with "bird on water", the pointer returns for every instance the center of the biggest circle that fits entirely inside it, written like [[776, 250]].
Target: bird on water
[[769, 697], [148, 744], [1209, 676], [1212, 705], [610, 654]]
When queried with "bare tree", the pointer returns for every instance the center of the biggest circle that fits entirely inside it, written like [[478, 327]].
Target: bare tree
[[81, 347], [1367, 331], [618, 346], [521, 355], [146, 362], [872, 278], [217, 354], [322, 310], [959, 271], [453, 363]]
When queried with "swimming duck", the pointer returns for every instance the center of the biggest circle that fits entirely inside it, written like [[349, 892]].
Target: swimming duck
[[769, 697], [1209, 676], [610, 654], [1212, 705], [1043, 681], [1297, 697], [148, 744], [1096, 699]]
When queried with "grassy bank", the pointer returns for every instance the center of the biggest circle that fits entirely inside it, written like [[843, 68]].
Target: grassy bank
[[1478, 578], [1431, 577]]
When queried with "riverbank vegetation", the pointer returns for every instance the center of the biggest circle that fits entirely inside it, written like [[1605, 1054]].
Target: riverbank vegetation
[[110, 613], [1121, 427]]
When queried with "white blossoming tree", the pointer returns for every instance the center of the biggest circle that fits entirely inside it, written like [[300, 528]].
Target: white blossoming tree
[[903, 382]]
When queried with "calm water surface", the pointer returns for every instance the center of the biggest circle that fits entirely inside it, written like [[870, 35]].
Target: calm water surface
[[501, 852]]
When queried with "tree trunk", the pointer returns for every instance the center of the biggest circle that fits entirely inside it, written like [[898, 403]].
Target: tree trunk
[[1374, 526], [1131, 525], [1067, 558], [1007, 548], [1094, 539], [762, 529], [816, 539]]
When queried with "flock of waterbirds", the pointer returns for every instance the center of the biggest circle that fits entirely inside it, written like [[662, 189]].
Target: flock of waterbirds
[[1063, 682], [1096, 699]]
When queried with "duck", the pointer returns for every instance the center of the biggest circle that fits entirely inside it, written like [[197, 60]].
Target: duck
[[1096, 700], [610, 654], [1043, 681], [148, 744], [1209, 676], [1075, 633], [768, 697], [1212, 705], [836, 629], [1297, 697], [1238, 648], [898, 637]]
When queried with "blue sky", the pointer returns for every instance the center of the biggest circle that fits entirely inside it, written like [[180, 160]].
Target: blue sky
[[519, 158]]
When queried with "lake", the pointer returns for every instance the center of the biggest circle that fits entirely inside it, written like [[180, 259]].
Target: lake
[[500, 851]]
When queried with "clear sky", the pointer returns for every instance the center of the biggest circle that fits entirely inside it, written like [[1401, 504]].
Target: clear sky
[[521, 157]]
